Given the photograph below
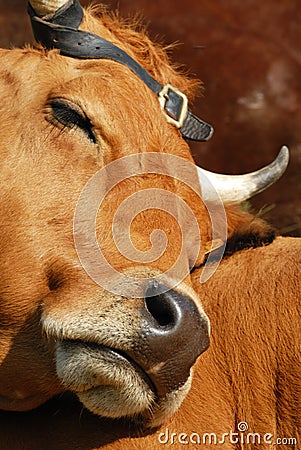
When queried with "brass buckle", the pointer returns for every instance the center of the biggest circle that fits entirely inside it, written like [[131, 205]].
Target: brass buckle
[[163, 97]]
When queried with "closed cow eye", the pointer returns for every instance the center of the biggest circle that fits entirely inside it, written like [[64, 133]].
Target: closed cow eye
[[69, 115]]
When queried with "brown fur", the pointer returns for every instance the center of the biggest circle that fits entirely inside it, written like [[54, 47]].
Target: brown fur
[[45, 294], [250, 373], [132, 36]]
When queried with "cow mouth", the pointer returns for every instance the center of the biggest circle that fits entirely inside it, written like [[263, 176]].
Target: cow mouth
[[116, 357], [106, 380]]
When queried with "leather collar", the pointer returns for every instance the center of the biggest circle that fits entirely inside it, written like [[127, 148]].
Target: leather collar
[[60, 31]]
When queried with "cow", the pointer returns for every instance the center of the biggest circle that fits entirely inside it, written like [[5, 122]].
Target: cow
[[98, 109]]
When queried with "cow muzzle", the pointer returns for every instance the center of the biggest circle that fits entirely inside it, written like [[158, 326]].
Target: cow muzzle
[[142, 365], [173, 335]]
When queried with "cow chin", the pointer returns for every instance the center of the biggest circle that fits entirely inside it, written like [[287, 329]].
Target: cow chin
[[110, 384], [134, 403]]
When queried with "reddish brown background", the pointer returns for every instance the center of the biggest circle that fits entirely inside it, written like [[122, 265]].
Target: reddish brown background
[[248, 53]]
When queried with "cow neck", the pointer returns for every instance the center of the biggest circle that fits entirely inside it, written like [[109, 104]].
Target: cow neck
[[60, 31]]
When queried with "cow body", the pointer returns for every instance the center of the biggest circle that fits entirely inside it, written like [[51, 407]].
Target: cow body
[[125, 345], [250, 374]]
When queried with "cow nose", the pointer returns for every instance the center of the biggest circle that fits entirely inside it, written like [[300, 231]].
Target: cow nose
[[174, 333]]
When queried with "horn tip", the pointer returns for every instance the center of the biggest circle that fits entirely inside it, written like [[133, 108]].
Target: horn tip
[[284, 156], [284, 152]]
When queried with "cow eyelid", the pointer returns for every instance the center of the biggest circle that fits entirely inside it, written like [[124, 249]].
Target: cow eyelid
[[69, 115]]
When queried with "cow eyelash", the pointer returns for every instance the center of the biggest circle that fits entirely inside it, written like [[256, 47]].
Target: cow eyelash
[[66, 115]]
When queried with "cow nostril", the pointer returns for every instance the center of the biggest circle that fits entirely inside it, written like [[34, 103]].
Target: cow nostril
[[161, 310], [174, 332]]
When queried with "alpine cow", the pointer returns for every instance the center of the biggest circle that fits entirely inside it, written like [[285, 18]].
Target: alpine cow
[[105, 223]]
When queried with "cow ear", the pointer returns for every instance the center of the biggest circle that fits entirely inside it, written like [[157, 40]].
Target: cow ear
[[246, 230]]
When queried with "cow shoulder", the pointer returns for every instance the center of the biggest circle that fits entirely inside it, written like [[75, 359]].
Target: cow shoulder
[[254, 361]]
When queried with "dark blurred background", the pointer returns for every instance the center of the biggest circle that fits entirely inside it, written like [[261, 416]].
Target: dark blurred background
[[248, 54]]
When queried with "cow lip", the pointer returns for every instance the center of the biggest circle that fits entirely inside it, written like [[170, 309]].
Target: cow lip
[[119, 355], [119, 386]]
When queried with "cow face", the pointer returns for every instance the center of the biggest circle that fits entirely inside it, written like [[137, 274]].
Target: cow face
[[126, 349]]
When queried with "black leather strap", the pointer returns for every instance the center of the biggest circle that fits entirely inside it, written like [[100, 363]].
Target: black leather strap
[[60, 31]]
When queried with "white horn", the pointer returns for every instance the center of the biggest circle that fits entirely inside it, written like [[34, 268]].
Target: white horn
[[237, 188], [44, 7]]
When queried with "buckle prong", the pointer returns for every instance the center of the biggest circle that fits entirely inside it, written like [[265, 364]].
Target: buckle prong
[[163, 98]]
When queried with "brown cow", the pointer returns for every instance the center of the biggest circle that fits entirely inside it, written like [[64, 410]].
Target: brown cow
[[124, 345], [251, 372]]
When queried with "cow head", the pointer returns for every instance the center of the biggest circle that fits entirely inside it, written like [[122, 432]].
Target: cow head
[[83, 139]]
